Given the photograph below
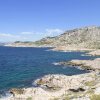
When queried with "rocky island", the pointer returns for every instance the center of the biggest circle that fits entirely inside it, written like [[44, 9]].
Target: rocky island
[[61, 87]]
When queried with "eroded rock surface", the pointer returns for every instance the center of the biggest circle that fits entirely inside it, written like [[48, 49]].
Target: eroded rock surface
[[58, 87]]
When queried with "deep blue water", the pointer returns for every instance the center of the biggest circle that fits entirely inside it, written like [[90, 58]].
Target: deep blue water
[[20, 66]]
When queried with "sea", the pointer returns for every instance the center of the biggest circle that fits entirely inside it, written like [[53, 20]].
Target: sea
[[20, 66]]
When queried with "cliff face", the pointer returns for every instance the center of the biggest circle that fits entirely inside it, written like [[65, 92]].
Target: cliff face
[[87, 37]]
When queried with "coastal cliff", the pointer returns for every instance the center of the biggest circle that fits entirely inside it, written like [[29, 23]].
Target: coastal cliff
[[76, 39]]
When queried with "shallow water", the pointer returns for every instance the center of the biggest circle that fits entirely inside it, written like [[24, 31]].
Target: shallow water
[[20, 66]]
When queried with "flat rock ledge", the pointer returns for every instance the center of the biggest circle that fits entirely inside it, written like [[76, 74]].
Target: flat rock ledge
[[93, 65], [60, 87], [95, 53], [70, 48]]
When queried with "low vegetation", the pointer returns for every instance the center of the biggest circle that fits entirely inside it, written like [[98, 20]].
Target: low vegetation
[[29, 98], [95, 97], [90, 83]]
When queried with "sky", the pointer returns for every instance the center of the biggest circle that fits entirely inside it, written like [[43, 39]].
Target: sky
[[31, 20]]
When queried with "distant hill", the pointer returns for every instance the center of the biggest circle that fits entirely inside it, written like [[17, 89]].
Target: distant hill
[[2, 44], [86, 37]]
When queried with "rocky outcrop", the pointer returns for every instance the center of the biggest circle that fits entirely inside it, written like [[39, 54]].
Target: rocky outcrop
[[59, 87], [84, 64], [63, 81]]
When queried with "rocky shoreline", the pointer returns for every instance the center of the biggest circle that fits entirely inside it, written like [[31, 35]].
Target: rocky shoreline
[[84, 64], [71, 48], [62, 87]]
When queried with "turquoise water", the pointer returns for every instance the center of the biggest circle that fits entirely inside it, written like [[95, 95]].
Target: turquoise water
[[19, 67]]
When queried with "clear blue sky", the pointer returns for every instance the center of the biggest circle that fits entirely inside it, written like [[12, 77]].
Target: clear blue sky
[[34, 19]]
